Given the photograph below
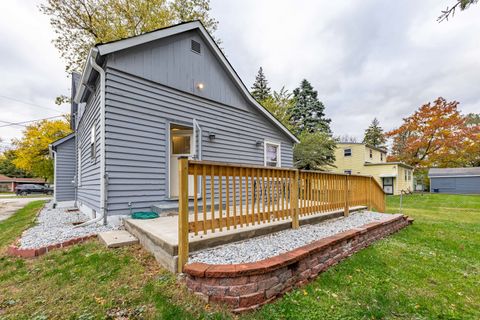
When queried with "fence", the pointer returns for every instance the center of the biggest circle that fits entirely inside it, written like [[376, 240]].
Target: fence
[[235, 196]]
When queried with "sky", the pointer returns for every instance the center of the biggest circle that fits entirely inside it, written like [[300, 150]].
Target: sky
[[366, 59]]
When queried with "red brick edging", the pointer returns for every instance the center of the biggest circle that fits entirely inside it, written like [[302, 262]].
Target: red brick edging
[[15, 251], [248, 286]]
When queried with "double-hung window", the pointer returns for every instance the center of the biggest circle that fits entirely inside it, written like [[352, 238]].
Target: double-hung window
[[347, 152], [272, 154]]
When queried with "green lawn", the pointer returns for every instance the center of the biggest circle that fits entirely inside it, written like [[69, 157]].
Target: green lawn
[[430, 270]]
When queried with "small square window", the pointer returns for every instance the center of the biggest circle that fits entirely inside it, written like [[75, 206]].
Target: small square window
[[347, 152], [347, 171], [272, 154]]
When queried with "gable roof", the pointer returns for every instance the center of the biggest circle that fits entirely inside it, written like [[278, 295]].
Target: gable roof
[[454, 172], [110, 47], [55, 143]]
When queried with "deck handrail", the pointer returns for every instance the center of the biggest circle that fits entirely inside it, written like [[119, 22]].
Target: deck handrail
[[235, 196]]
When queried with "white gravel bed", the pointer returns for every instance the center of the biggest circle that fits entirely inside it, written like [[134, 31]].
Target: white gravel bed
[[271, 245], [56, 226]]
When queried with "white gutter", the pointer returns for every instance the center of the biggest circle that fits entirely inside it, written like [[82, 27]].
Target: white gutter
[[103, 176]]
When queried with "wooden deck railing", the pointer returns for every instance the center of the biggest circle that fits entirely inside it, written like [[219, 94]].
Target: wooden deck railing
[[230, 196]]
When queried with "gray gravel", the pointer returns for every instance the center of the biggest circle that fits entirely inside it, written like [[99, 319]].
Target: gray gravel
[[264, 247], [56, 226]]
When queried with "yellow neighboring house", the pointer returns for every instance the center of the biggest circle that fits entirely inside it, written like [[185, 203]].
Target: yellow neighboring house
[[360, 158]]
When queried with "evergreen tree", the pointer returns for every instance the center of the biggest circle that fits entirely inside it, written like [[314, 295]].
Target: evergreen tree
[[374, 135], [307, 115], [260, 88]]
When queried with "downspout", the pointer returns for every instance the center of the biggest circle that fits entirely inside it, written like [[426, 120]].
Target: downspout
[[103, 175]]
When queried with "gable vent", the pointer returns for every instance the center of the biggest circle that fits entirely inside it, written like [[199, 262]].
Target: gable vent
[[195, 46]]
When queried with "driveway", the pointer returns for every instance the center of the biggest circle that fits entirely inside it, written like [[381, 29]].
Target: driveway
[[10, 206]]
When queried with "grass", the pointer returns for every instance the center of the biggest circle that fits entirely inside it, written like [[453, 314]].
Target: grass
[[12, 228], [430, 270]]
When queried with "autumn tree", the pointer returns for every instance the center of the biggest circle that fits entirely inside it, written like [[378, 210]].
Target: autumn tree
[[32, 150], [80, 24], [8, 168], [279, 104], [374, 135], [435, 135], [260, 88], [316, 151], [308, 113]]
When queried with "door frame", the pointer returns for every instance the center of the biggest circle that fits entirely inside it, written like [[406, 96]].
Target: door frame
[[169, 152]]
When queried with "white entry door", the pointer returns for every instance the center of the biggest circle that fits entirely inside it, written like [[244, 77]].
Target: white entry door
[[181, 145]]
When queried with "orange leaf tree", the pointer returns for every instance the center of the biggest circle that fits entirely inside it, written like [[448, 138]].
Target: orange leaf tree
[[437, 134]]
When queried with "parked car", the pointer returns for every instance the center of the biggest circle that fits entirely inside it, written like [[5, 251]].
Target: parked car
[[25, 189]]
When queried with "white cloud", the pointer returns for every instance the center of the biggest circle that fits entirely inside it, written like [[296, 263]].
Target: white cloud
[[366, 58]]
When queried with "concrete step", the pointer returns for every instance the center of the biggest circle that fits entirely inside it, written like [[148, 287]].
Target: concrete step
[[117, 238]]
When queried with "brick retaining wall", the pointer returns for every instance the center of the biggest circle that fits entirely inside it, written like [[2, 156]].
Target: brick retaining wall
[[16, 251], [248, 286]]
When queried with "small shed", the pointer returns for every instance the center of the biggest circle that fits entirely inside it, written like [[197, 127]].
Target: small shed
[[455, 180]]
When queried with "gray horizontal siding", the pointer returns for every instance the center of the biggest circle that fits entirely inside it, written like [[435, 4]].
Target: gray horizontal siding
[[89, 187], [171, 61], [137, 116], [65, 167], [456, 185]]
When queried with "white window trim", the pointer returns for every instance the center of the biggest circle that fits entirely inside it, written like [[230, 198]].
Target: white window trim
[[279, 152], [351, 152]]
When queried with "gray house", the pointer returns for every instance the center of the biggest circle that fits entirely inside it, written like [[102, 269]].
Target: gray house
[[63, 153], [455, 180], [142, 102]]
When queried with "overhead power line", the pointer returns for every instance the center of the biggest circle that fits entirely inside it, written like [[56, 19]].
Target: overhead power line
[[24, 122], [26, 102], [12, 123]]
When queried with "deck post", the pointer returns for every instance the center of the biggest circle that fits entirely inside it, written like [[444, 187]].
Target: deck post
[[370, 193], [294, 195], [182, 212], [346, 209]]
